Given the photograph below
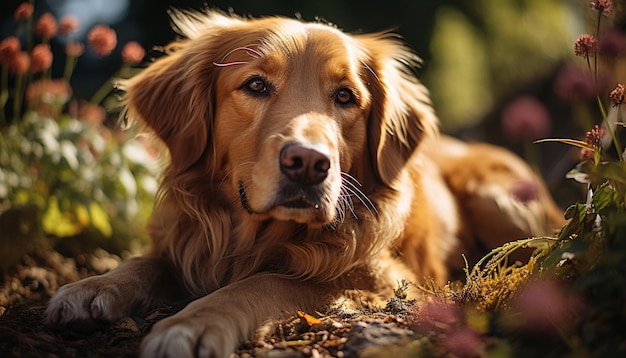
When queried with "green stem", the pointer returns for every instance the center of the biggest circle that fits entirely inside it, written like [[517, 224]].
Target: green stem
[[103, 91], [70, 63], [530, 153], [4, 94], [595, 58], [29, 32], [17, 99], [609, 127]]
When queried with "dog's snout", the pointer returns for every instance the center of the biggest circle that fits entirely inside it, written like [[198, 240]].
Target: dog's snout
[[303, 164]]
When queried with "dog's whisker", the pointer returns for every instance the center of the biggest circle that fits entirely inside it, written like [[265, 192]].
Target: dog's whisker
[[349, 203], [220, 64], [349, 176], [230, 172], [348, 182], [346, 203], [249, 51], [368, 68]]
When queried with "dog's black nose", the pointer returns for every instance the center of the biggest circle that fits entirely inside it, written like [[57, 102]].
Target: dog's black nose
[[304, 164]]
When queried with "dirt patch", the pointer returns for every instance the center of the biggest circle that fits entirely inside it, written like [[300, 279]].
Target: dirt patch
[[26, 287]]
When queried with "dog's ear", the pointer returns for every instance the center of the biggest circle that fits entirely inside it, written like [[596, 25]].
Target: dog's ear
[[401, 113], [165, 96], [174, 95]]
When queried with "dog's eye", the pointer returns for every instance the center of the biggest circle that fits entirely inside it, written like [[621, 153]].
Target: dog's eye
[[344, 96], [256, 85]]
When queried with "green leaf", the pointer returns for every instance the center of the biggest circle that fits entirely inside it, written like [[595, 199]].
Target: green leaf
[[58, 223], [602, 198], [572, 142], [100, 219]]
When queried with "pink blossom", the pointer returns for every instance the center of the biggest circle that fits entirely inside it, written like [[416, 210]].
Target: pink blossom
[[603, 7], [91, 114], [585, 46], [133, 52], [525, 119], [102, 40], [593, 138], [9, 47], [544, 305], [20, 63], [74, 49], [617, 95], [574, 84], [525, 191], [48, 96], [464, 342], [438, 315], [46, 26], [68, 25], [41, 58], [612, 44], [23, 11]]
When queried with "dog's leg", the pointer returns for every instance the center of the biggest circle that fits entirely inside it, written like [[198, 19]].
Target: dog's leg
[[500, 197], [213, 326], [139, 283]]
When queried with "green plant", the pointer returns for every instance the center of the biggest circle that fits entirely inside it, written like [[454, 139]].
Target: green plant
[[59, 152]]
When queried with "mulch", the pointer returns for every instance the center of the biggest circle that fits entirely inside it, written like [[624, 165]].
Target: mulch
[[26, 287]]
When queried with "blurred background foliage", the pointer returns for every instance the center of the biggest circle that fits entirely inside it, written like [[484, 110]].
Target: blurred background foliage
[[483, 60]]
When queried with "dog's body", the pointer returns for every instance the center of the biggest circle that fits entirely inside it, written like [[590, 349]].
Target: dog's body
[[303, 162]]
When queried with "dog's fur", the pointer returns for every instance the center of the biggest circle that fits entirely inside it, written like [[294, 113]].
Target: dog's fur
[[303, 162]]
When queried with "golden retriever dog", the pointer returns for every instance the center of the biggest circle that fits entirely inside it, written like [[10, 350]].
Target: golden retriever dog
[[303, 163]]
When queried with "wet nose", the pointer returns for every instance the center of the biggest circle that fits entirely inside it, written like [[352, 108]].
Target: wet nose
[[307, 165]]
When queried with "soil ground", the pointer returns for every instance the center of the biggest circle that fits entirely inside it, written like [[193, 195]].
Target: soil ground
[[26, 287]]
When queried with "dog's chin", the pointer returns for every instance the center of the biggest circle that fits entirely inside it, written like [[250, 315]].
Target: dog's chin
[[299, 210], [313, 217]]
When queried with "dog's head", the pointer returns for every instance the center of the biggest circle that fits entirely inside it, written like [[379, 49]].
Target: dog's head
[[292, 120]]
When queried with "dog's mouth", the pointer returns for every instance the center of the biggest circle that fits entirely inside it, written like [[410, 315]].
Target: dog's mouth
[[298, 201]]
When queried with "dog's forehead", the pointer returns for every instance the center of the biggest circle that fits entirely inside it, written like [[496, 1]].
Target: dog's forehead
[[287, 50], [303, 46]]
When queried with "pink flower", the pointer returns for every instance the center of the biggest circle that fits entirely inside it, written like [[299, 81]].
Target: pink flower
[[23, 11], [525, 119], [593, 138], [617, 95], [612, 44], [9, 47], [574, 84], [74, 49], [525, 191], [46, 26], [544, 305], [91, 114], [586, 45], [464, 342], [133, 52], [438, 315], [102, 40], [20, 63], [48, 96], [41, 58], [603, 7], [68, 25]]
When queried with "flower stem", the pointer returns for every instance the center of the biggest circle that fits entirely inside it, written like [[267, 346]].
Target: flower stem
[[595, 59], [70, 64], [17, 99], [102, 92], [4, 94], [609, 127]]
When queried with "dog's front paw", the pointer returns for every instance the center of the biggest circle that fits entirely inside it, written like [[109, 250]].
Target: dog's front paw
[[94, 298], [185, 335]]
